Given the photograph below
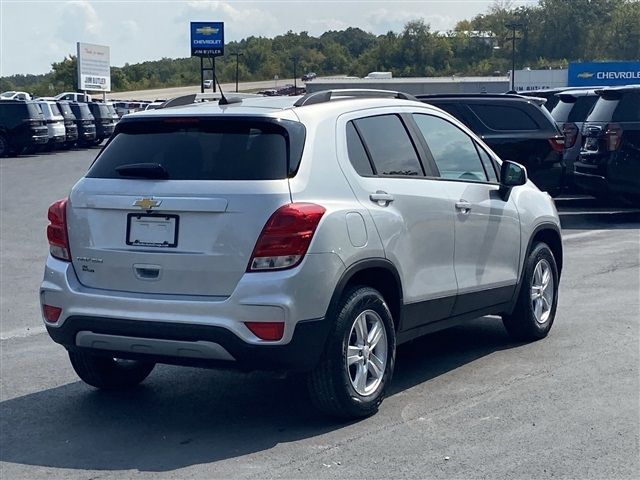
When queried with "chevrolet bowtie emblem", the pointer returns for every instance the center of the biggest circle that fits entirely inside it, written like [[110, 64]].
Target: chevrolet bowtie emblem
[[207, 30], [147, 203]]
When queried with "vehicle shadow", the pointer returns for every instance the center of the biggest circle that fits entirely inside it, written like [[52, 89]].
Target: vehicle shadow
[[183, 417], [582, 212]]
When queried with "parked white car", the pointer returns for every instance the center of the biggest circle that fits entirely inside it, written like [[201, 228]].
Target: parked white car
[[13, 95], [55, 122], [74, 97]]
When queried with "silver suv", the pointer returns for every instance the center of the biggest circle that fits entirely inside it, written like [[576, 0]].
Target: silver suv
[[310, 234]]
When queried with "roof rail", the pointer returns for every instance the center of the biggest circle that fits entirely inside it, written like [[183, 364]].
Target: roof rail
[[326, 95], [204, 97]]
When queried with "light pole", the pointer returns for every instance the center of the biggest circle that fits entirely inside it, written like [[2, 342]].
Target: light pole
[[237, 54], [295, 76], [513, 26]]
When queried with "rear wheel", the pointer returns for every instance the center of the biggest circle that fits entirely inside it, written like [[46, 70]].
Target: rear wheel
[[351, 379], [109, 373], [535, 310]]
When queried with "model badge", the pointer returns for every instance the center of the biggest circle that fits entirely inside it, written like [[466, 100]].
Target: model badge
[[147, 203]]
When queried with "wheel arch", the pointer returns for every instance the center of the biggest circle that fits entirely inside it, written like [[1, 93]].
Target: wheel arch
[[378, 273]]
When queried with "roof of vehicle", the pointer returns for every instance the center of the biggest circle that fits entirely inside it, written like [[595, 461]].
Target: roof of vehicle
[[623, 88], [509, 97], [583, 92], [279, 106]]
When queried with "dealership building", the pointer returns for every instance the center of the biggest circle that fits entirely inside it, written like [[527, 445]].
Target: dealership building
[[577, 75]]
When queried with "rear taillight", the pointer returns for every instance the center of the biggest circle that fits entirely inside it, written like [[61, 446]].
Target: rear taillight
[[613, 136], [57, 232], [51, 313], [570, 131], [266, 330], [557, 143], [285, 237]]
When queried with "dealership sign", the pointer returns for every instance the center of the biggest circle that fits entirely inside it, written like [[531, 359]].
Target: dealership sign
[[603, 73], [207, 39], [94, 67]]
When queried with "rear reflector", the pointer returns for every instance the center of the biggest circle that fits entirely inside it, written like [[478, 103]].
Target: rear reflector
[[51, 313], [570, 131], [266, 330], [57, 231], [613, 136], [286, 236]]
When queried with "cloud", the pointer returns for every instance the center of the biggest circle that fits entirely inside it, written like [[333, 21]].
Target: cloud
[[383, 20], [262, 22], [79, 20]]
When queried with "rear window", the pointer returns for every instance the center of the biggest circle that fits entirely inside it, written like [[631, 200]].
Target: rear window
[[65, 108], [34, 110], [616, 107], [389, 145], [81, 110], [503, 117], [54, 109], [573, 109], [100, 110], [212, 150]]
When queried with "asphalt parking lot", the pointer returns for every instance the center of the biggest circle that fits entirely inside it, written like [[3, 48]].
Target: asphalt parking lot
[[464, 403]]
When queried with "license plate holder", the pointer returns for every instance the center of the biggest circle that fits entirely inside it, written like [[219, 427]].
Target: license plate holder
[[152, 230], [592, 143]]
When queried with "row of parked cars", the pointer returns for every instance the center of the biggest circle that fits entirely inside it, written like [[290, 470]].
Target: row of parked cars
[[49, 123], [570, 140]]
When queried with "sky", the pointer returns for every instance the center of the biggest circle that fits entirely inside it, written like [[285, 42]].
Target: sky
[[33, 34]]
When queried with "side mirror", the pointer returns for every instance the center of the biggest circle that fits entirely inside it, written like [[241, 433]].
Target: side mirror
[[512, 174]]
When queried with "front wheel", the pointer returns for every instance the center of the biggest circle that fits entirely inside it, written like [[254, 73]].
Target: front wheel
[[357, 365], [109, 373], [535, 309]]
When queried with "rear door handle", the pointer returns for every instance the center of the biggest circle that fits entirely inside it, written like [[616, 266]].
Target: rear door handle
[[381, 198], [463, 206]]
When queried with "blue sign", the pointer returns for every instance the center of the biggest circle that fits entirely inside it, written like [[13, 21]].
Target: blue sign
[[207, 39], [603, 74]]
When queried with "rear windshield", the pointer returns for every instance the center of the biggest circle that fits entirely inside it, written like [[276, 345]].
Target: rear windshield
[[617, 108], [503, 117], [34, 110], [65, 108], [100, 110], [54, 109], [81, 110], [573, 109], [189, 149]]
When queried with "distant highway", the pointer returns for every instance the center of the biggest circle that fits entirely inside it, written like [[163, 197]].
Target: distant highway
[[165, 93]]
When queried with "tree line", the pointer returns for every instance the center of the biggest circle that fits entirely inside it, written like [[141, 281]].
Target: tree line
[[550, 35]]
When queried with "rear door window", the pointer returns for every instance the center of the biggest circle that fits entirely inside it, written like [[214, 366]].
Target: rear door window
[[453, 151], [389, 145], [212, 150], [503, 117]]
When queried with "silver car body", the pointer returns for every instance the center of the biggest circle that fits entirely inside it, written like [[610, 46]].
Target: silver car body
[[439, 251], [54, 119]]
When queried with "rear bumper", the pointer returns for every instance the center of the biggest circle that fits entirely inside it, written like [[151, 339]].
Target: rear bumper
[[590, 183], [299, 298], [193, 345]]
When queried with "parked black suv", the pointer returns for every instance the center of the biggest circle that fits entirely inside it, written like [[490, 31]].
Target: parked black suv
[[570, 112], [104, 121], [609, 163], [85, 122], [22, 125], [70, 126], [516, 128]]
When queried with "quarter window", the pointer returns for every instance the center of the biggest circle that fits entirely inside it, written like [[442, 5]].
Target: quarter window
[[389, 146], [357, 153], [453, 150]]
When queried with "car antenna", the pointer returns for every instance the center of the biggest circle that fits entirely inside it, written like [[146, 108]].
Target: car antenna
[[224, 100]]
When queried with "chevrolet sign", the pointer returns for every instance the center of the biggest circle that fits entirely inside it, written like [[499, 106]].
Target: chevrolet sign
[[603, 74], [207, 39]]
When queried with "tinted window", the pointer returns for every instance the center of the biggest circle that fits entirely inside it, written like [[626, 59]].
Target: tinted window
[[357, 154], [389, 144], [207, 151], [502, 117], [81, 110], [489, 166], [452, 149], [100, 110], [11, 112], [581, 108], [54, 109], [65, 108], [628, 109], [34, 110]]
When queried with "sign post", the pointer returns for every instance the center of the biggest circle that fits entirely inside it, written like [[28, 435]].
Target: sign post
[[207, 41]]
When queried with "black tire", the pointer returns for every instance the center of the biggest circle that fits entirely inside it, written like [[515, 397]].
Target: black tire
[[330, 384], [522, 324], [4, 146], [108, 373]]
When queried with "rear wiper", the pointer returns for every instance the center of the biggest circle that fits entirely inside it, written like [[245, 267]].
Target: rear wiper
[[153, 171]]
